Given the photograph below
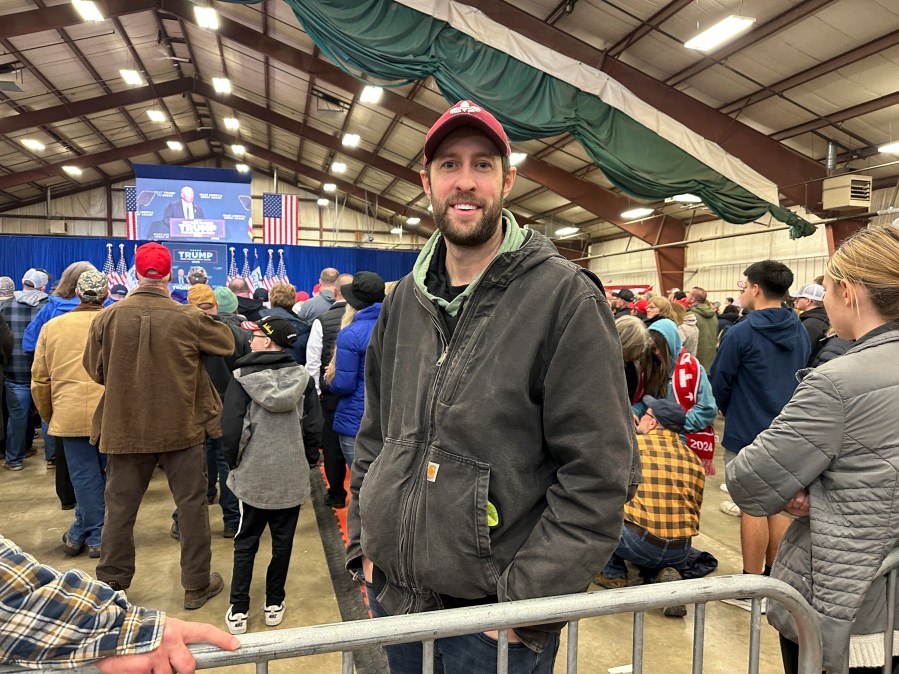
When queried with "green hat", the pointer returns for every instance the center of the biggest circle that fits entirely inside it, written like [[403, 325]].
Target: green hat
[[92, 286], [227, 300]]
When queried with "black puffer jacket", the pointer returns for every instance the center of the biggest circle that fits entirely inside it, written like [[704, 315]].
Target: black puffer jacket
[[817, 324]]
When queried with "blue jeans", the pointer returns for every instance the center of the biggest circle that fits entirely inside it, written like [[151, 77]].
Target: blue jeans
[[467, 654], [18, 402], [87, 468], [49, 443], [633, 548], [348, 448], [218, 470]]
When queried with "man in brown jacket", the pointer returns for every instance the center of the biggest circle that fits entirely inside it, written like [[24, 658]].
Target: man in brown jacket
[[157, 408]]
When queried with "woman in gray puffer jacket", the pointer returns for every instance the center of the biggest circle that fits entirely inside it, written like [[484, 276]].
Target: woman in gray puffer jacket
[[831, 459]]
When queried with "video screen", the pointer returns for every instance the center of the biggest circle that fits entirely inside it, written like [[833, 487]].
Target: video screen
[[190, 207]]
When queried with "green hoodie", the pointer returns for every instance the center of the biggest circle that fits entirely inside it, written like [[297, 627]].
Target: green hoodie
[[707, 322], [513, 238]]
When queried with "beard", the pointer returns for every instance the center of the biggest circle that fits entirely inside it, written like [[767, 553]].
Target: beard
[[483, 229]]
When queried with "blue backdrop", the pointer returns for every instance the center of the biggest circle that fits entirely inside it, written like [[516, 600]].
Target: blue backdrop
[[304, 263]]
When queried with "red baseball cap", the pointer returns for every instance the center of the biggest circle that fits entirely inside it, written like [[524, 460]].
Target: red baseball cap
[[155, 257], [639, 305], [466, 113]]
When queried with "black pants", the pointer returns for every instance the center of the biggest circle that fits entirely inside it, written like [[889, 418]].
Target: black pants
[[789, 651], [64, 489], [335, 464], [282, 525]]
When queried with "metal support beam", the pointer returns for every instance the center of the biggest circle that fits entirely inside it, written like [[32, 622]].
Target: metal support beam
[[648, 26], [60, 16], [838, 232], [834, 119]]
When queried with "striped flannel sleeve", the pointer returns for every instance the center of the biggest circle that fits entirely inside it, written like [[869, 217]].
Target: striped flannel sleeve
[[66, 619]]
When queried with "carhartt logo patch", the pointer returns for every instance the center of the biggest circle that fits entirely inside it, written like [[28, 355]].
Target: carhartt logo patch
[[432, 471]]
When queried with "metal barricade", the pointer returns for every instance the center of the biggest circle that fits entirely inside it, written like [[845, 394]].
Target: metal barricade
[[263, 647], [889, 568]]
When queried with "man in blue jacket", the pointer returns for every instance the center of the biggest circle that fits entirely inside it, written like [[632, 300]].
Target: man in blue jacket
[[753, 377]]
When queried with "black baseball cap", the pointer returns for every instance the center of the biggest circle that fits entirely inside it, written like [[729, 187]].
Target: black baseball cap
[[669, 414], [366, 289], [279, 330], [625, 294]]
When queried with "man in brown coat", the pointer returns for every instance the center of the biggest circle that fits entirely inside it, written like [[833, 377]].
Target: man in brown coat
[[157, 408]]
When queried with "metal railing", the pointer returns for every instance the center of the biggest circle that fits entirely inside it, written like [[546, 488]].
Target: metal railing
[[263, 647], [889, 569]]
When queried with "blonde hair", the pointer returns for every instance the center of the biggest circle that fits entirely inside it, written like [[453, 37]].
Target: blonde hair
[[69, 279], [635, 339], [283, 295], [868, 259], [678, 312], [666, 309], [348, 315]]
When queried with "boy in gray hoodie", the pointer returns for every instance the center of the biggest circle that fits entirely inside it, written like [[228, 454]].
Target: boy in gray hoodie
[[268, 407]]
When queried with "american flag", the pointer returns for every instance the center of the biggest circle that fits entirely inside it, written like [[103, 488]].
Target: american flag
[[245, 272], [131, 212], [280, 218], [121, 269], [232, 268], [109, 269], [282, 269], [269, 279]]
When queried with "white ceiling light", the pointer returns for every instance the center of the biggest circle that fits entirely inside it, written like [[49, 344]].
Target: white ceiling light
[[371, 94], [890, 148], [430, 208], [175, 145], [33, 145], [720, 33], [413, 220], [88, 10], [635, 213], [351, 139], [338, 167], [131, 77], [329, 187], [567, 231], [72, 170], [684, 199], [156, 115], [231, 123], [207, 17], [396, 230], [238, 150], [517, 157], [243, 168], [322, 202], [222, 85]]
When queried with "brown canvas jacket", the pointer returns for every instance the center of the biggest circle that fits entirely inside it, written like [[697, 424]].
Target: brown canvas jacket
[[147, 350]]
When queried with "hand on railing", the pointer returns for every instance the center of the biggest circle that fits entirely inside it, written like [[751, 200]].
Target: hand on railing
[[172, 654]]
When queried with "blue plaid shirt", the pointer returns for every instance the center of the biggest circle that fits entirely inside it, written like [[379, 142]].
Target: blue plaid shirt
[[52, 618], [18, 315]]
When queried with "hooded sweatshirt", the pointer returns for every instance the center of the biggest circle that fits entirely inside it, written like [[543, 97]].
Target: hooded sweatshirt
[[754, 374], [18, 314], [270, 412]]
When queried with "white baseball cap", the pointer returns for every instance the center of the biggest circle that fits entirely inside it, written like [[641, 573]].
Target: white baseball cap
[[810, 291], [36, 278]]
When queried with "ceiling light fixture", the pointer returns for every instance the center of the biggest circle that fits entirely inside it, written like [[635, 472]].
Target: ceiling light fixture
[[231, 123], [567, 231], [175, 145], [338, 167], [72, 170], [329, 187], [890, 148], [721, 32], [370, 94], [351, 139], [635, 213], [156, 115], [33, 145], [222, 85], [238, 150], [517, 157], [396, 230], [88, 10], [131, 77], [413, 220], [207, 17], [684, 199], [323, 202], [242, 168]]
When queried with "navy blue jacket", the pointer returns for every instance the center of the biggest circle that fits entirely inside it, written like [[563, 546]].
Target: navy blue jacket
[[349, 373], [754, 373]]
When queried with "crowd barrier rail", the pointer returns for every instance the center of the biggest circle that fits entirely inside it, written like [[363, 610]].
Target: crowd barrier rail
[[260, 648]]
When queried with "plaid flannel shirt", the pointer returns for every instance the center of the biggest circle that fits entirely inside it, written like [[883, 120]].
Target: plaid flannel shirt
[[18, 316], [668, 501], [51, 618]]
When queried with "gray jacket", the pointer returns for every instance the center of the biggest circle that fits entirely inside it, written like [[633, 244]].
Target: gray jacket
[[270, 410], [837, 437], [494, 463]]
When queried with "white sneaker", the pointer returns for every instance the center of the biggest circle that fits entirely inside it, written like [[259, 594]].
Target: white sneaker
[[730, 508], [274, 614], [724, 488], [236, 622]]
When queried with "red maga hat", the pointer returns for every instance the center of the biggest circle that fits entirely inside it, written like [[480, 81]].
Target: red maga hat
[[466, 113], [155, 257]]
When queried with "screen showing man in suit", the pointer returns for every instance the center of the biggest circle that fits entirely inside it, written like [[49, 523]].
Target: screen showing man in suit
[[183, 208]]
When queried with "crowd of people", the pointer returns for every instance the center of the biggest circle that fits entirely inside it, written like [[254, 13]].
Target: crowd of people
[[495, 453]]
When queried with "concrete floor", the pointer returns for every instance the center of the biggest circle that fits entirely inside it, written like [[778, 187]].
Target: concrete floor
[[30, 516]]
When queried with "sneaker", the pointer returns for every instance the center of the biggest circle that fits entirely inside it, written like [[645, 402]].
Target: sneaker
[[67, 506], [236, 622], [667, 575], [229, 533], [610, 583], [274, 614], [70, 548], [731, 508], [175, 531], [335, 502], [93, 551], [115, 586], [746, 604], [724, 488], [51, 464], [9, 466], [194, 599]]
